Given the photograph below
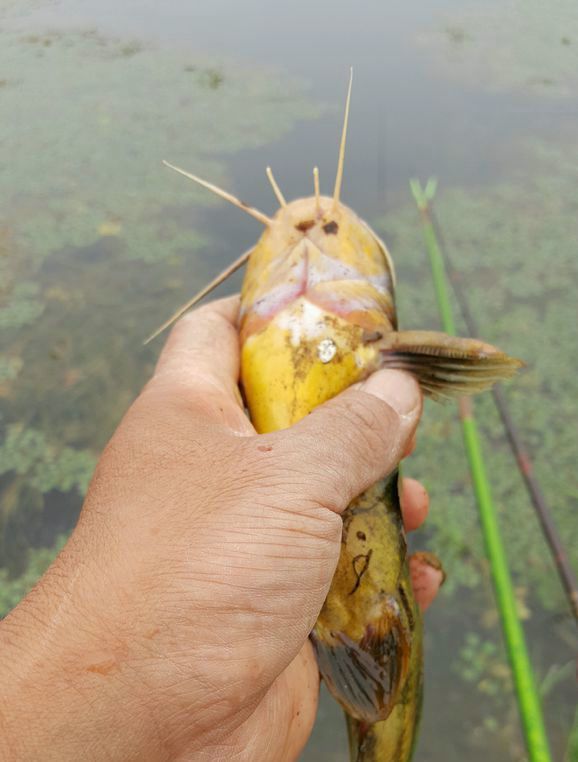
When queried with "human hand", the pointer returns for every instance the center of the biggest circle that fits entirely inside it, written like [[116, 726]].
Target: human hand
[[174, 625]]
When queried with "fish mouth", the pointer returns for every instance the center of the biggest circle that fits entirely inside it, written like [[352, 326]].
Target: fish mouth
[[299, 271], [304, 271]]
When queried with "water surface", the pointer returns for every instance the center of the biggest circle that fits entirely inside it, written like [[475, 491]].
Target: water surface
[[98, 243]]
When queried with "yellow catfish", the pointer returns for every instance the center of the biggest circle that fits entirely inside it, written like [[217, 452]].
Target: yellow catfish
[[317, 315]]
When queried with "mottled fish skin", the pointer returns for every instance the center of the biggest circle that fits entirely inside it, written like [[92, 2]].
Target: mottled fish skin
[[329, 279], [367, 635], [317, 315]]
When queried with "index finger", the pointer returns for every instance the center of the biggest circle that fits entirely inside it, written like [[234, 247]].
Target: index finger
[[201, 359]]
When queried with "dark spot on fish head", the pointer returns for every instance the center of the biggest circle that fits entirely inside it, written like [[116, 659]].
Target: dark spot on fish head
[[361, 536], [304, 226], [331, 228]]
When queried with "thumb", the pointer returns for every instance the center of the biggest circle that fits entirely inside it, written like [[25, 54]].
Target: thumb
[[352, 441]]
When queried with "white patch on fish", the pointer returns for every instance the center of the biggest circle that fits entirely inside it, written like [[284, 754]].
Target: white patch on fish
[[304, 321]]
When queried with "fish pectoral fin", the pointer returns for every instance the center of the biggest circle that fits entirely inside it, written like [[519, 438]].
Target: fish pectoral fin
[[445, 366]]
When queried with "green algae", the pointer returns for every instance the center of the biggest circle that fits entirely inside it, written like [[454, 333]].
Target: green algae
[[526, 46], [513, 244], [13, 589], [114, 110], [98, 241], [22, 307], [32, 467], [10, 9], [46, 465], [10, 367], [514, 247], [479, 662]]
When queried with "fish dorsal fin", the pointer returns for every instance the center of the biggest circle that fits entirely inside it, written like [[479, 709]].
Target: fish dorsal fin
[[446, 366]]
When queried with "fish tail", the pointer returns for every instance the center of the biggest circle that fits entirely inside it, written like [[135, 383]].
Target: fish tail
[[393, 739]]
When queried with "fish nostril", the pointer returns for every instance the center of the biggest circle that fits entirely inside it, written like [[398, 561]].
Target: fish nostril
[[305, 225]]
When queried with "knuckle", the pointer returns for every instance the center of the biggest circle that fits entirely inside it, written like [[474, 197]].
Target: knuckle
[[175, 389], [198, 330], [367, 422], [211, 321], [289, 473]]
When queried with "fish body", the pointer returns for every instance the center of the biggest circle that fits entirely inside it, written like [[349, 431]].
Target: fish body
[[317, 315], [317, 292]]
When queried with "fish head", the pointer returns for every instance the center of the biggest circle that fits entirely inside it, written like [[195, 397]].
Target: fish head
[[323, 252]]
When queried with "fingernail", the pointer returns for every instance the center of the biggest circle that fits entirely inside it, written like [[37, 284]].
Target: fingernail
[[425, 558], [398, 389]]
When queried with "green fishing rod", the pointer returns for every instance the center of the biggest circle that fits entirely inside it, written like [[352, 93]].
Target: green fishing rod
[[541, 507], [524, 682]]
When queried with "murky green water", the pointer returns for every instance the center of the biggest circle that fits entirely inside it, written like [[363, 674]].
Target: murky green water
[[98, 243]]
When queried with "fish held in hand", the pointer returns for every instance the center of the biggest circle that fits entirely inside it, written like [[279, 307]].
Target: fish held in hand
[[317, 315]]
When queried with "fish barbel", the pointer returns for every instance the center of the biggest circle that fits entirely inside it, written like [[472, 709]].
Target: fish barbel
[[317, 315]]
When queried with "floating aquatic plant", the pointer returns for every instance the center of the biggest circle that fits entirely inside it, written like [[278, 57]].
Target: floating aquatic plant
[[23, 306], [47, 466], [12, 589], [527, 46], [17, 8], [116, 108], [10, 367], [513, 245], [96, 237]]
